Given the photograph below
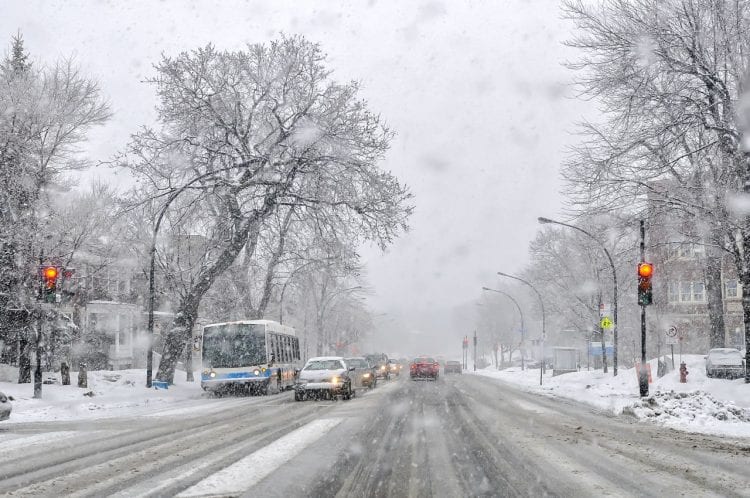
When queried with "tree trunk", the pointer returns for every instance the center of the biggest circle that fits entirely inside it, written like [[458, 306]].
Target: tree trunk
[[714, 299], [274, 263], [189, 359], [24, 357]]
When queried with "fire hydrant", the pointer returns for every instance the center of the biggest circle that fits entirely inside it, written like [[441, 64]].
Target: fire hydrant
[[683, 373]]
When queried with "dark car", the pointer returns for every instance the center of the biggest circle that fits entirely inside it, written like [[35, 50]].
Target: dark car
[[363, 375], [452, 366], [394, 368], [380, 362], [424, 367]]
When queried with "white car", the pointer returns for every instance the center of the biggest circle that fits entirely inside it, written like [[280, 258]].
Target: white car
[[725, 362], [5, 406], [324, 376]]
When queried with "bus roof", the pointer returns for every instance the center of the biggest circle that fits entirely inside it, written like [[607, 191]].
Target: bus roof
[[287, 329]]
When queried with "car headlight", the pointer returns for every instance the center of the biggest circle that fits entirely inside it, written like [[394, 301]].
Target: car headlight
[[382, 367], [366, 376], [335, 380]]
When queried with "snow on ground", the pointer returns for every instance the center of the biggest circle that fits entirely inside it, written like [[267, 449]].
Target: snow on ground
[[120, 393], [712, 406]]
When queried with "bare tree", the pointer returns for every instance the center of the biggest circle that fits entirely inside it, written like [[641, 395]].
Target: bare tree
[[668, 76], [253, 130]]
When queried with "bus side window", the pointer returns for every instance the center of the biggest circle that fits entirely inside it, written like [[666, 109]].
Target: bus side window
[[276, 354], [296, 349], [283, 349], [287, 351]]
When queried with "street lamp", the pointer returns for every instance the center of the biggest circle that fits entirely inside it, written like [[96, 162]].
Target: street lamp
[[523, 331], [544, 221], [544, 331]]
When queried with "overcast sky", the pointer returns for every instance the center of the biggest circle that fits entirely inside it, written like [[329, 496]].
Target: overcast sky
[[475, 91]]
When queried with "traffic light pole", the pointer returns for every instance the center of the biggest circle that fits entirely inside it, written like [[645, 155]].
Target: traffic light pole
[[643, 373]]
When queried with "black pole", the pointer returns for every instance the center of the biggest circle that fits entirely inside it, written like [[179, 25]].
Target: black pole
[[475, 350], [38, 371], [643, 374]]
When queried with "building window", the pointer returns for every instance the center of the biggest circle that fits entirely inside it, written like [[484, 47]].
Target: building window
[[686, 292], [731, 288], [673, 292], [698, 292], [686, 250]]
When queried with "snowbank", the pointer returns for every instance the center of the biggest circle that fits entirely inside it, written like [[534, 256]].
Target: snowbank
[[120, 393], [712, 406]]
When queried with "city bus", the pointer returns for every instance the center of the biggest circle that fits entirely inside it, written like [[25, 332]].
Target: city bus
[[256, 356]]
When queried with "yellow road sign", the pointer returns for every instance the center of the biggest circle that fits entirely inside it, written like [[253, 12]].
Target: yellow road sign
[[606, 323]]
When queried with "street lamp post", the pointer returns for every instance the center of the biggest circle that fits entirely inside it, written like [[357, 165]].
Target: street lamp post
[[543, 221], [523, 331], [544, 330]]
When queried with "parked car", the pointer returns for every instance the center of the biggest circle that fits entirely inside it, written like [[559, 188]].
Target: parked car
[[452, 366], [394, 368], [424, 367], [326, 377], [363, 374], [380, 362], [5, 406], [725, 362]]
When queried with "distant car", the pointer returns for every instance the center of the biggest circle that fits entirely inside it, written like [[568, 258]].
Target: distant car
[[5, 406], [394, 368], [380, 362], [725, 362], [452, 366], [326, 377], [363, 374], [424, 367]]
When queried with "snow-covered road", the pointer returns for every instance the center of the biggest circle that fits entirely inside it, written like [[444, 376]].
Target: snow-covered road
[[461, 436]]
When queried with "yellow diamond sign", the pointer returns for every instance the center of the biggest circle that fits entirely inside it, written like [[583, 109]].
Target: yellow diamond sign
[[606, 323]]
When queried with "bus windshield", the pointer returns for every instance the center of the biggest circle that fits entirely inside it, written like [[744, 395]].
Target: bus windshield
[[234, 345]]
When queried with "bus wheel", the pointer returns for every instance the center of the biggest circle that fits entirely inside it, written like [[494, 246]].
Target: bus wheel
[[298, 396], [263, 389]]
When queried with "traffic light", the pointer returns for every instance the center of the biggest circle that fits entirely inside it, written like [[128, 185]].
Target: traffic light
[[645, 272], [49, 274]]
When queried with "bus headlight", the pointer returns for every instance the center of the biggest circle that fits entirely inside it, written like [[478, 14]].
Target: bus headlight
[[256, 372], [212, 374]]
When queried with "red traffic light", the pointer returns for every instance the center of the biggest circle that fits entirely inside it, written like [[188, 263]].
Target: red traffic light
[[645, 270], [49, 275]]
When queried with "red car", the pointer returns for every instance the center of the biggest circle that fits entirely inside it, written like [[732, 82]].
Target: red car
[[424, 367]]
